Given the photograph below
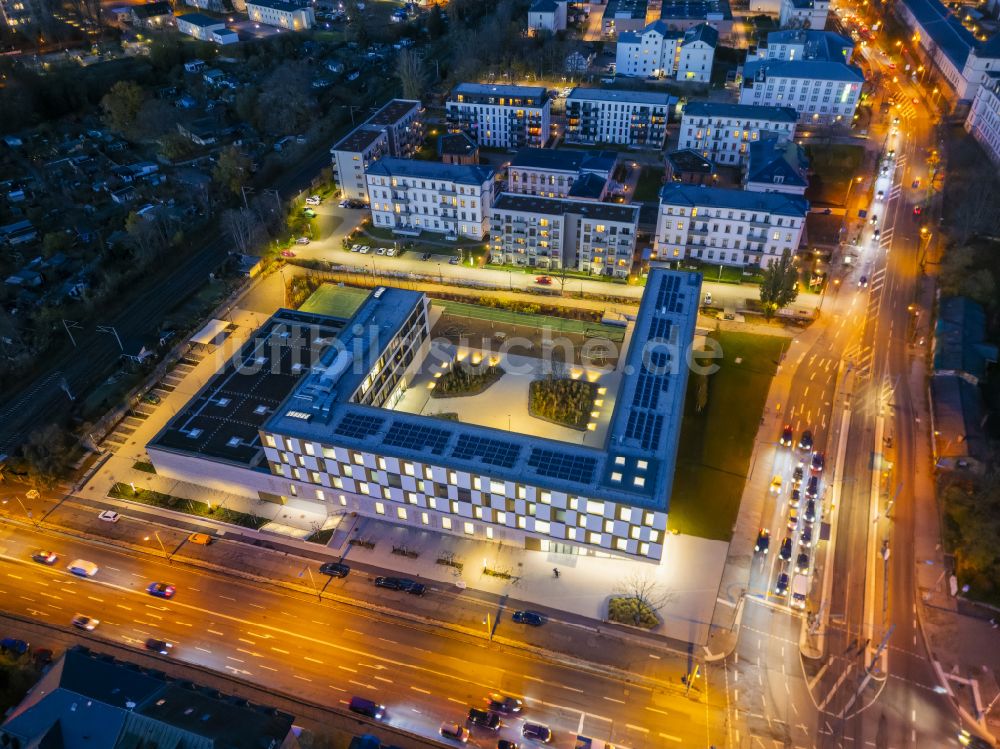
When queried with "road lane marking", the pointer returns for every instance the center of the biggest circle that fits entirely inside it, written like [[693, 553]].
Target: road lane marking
[[457, 702], [418, 689], [249, 652], [16, 577], [279, 650], [183, 624], [668, 737], [354, 632], [571, 689], [204, 650], [95, 598], [637, 728], [610, 699], [255, 605], [243, 639], [382, 678], [338, 689], [123, 606], [312, 660], [345, 668], [654, 710], [302, 678], [268, 667], [368, 686], [230, 658], [213, 632], [228, 598]]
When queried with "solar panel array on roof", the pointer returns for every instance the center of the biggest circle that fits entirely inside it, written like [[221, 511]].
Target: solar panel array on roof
[[645, 427], [667, 295], [494, 452], [659, 328], [647, 390], [416, 437], [562, 465], [358, 426]]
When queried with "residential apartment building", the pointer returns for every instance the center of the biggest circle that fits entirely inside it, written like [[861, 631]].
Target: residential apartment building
[[560, 173], [723, 132], [199, 26], [547, 15], [215, 6], [661, 52], [776, 165], [501, 116], [804, 44], [821, 92], [983, 122], [683, 14], [804, 14], [957, 58], [621, 16], [633, 118], [726, 226], [281, 13], [410, 196], [394, 130], [549, 233], [325, 438], [155, 15]]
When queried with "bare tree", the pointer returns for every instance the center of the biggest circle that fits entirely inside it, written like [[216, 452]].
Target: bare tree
[[646, 595], [243, 227], [411, 73]]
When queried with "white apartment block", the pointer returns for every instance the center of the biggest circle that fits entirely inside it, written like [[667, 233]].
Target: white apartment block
[[501, 116], [659, 51], [201, 27], [559, 173], [283, 14], [550, 233], [394, 130], [804, 44], [410, 196], [821, 92], [633, 118], [983, 122], [804, 14], [547, 15], [728, 227], [723, 132]]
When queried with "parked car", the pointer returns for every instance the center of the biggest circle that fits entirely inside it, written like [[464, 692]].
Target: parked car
[[454, 731], [14, 645], [202, 539], [802, 562], [528, 617], [151, 398], [287, 253], [781, 586], [158, 646], [776, 484], [88, 623], [543, 280], [786, 549], [334, 569], [364, 706], [302, 240], [309, 212], [401, 583], [314, 200], [109, 516]]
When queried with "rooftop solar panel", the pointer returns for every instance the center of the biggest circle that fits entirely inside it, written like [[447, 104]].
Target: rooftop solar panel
[[562, 465], [358, 426], [416, 437], [645, 427], [494, 452]]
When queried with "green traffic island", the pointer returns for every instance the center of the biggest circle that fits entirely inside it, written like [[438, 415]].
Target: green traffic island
[[562, 401], [464, 379], [321, 537], [632, 612], [141, 465], [187, 506]]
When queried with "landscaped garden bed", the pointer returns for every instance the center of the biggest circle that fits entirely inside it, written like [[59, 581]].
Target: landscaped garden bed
[[631, 611], [464, 379], [562, 401], [189, 506]]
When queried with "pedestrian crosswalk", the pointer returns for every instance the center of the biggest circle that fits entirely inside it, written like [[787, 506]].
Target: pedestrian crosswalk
[[904, 108]]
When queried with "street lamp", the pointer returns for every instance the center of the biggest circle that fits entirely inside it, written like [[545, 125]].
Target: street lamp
[[159, 541]]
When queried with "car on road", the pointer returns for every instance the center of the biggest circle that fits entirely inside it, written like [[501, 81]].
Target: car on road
[[158, 646], [818, 462], [917, 210], [796, 497], [797, 475], [45, 557], [82, 568], [863, 282], [776, 484], [812, 488], [876, 234], [786, 436], [334, 569], [426, 256], [785, 553], [873, 220], [454, 261], [879, 195], [484, 719], [355, 203], [109, 516], [309, 212], [161, 590], [344, 203], [810, 511], [537, 731], [806, 537], [916, 183], [401, 583], [781, 585], [391, 252], [81, 621], [971, 740], [802, 562], [763, 541], [793, 519], [528, 617], [364, 706], [151, 398], [506, 744], [202, 539], [314, 200], [302, 240], [14, 645], [454, 731], [806, 440], [543, 280], [502, 703], [287, 253]]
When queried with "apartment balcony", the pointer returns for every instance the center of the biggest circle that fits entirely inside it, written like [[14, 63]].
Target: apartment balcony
[[764, 225], [702, 230]]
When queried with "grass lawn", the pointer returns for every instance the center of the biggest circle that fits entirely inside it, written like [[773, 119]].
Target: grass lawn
[[190, 506], [716, 444], [334, 300], [833, 167], [649, 184]]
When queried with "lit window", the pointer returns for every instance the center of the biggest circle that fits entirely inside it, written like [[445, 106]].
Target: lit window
[[594, 507], [643, 548], [621, 544], [401, 513], [425, 518], [343, 501], [408, 469], [269, 440], [502, 518], [446, 523], [625, 513], [469, 528], [380, 508], [609, 526], [594, 538], [545, 497], [521, 522], [363, 488], [489, 532], [310, 450]]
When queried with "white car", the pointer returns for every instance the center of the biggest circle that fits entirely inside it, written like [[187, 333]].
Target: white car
[[313, 200], [365, 249], [343, 203], [380, 251], [109, 516], [87, 623], [302, 240], [391, 252]]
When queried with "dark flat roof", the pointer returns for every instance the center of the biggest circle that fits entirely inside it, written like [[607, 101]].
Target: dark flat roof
[[392, 112], [557, 206], [358, 139]]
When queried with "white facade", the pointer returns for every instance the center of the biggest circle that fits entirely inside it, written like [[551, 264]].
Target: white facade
[[662, 52], [723, 132], [634, 118], [199, 26], [410, 196], [728, 227], [284, 15], [351, 158], [804, 14], [983, 122], [596, 238], [821, 92], [501, 116], [547, 15]]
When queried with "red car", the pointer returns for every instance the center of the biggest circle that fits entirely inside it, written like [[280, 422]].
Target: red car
[[543, 280], [917, 210], [287, 253]]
